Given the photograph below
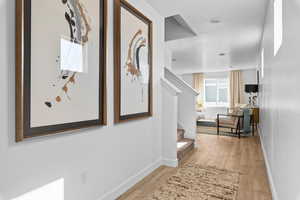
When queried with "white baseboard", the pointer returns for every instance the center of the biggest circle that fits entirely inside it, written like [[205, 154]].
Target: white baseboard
[[130, 182], [269, 172], [170, 162]]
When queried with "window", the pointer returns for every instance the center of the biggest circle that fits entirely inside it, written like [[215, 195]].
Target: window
[[277, 25], [216, 92], [263, 63]]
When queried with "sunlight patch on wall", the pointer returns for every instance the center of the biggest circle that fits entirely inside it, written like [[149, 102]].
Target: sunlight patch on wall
[[51, 191]]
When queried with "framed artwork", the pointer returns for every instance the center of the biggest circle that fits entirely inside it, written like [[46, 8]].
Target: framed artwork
[[133, 63], [60, 66]]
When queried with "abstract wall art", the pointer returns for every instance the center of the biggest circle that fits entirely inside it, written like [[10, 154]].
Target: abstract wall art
[[60, 66], [133, 63]]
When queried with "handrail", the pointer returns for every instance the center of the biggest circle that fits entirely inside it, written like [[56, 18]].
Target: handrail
[[171, 76], [170, 87]]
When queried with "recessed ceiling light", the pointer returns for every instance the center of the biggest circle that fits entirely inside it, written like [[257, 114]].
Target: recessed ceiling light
[[215, 21], [222, 54]]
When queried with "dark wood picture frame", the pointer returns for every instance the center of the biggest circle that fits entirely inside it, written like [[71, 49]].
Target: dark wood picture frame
[[23, 81], [118, 118]]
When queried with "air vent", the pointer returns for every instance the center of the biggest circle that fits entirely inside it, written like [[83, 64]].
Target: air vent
[[177, 28]]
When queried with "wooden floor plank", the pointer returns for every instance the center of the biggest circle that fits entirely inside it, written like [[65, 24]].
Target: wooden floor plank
[[241, 155]]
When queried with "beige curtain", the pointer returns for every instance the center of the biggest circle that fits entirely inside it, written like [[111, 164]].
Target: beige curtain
[[236, 88], [198, 84]]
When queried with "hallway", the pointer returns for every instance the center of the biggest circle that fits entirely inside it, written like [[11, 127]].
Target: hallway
[[244, 156]]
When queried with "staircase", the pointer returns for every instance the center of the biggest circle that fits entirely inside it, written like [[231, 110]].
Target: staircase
[[178, 116], [184, 145]]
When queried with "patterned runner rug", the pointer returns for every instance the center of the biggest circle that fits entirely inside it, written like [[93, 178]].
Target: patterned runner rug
[[195, 182]]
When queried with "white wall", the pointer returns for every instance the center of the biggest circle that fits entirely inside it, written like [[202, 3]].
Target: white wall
[[169, 123], [216, 74], [188, 78], [93, 162], [279, 103], [168, 58]]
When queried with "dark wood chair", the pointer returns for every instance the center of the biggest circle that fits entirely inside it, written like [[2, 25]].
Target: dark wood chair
[[232, 121]]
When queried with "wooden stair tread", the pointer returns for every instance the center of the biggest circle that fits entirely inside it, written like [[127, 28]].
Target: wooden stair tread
[[186, 141], [180, 134], [184, 146]]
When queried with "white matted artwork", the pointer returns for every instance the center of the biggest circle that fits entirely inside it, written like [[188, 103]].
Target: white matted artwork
[[134, 66], [63, 49]]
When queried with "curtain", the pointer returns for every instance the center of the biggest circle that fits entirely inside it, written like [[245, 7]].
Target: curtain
[[235, 88], [198, 84]]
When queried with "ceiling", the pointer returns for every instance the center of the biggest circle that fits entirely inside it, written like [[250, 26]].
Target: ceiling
[[237, 35]]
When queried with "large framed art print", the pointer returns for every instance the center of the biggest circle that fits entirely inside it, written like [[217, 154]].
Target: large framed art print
[[60, 66], [133, 63]]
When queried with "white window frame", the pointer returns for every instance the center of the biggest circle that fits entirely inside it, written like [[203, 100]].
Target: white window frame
[[216, 104], [278, 25], [262, 63]]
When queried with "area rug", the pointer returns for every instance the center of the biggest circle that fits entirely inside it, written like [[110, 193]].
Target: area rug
[[195, 182], [213, 131]]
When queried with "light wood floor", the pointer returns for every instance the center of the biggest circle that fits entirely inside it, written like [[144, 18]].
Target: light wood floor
[[244, 156]]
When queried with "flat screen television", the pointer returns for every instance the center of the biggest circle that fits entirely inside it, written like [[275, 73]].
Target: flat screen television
[[251, 88]]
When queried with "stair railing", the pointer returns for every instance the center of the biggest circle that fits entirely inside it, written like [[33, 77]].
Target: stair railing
[[186, 103]]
